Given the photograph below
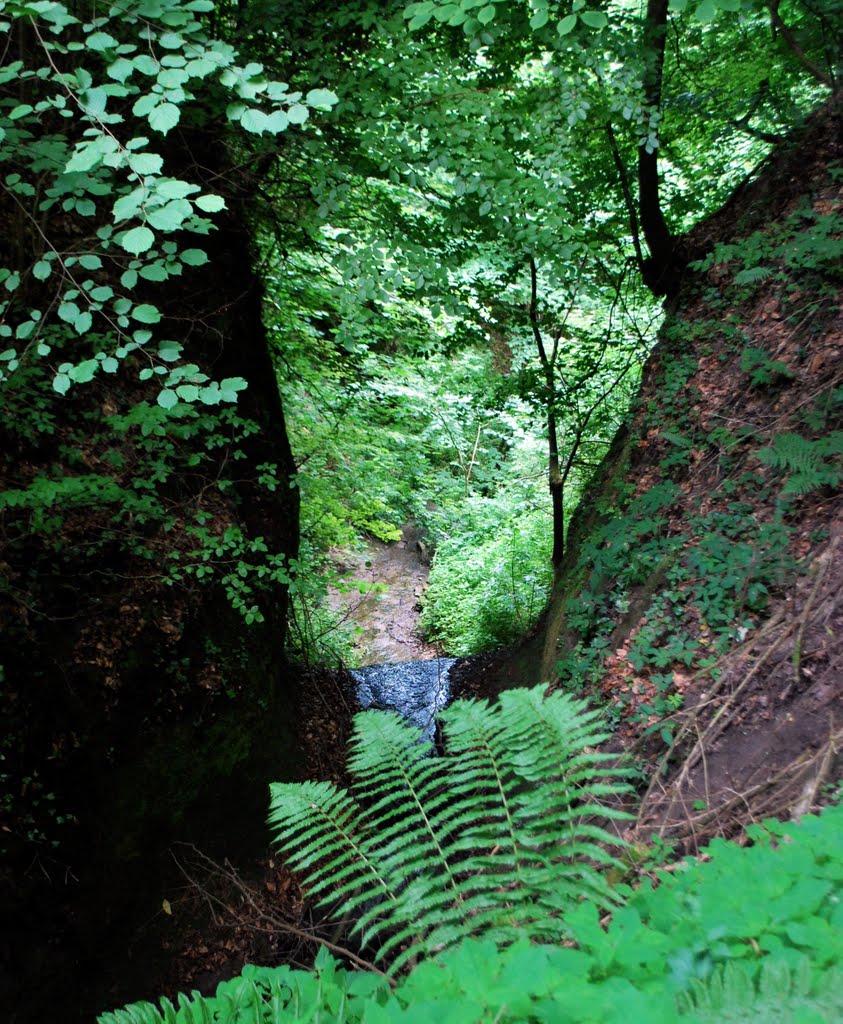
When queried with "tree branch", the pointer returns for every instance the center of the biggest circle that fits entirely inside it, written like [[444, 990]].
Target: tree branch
[[790, 39], [627, 195]]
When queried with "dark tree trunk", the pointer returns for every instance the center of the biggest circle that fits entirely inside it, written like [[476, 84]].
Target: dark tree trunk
[[555, 478], [661, 269], [556, 483]]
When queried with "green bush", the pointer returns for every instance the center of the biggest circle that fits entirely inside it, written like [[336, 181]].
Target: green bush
[[753, 935], [487, 589]]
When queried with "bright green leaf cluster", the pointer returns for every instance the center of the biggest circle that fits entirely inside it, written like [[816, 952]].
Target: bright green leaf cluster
[[97, 162]]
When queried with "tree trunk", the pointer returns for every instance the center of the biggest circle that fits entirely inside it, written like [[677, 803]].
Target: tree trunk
[[555, 479], [556, 484], [661, 269]]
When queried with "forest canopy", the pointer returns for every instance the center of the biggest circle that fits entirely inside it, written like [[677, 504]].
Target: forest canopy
[[199, 199]]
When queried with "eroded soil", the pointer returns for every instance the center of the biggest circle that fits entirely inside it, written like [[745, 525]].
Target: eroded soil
[[392, 577]]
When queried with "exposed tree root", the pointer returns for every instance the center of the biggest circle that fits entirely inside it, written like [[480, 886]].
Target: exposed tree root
[[681, 801], [235, 904]]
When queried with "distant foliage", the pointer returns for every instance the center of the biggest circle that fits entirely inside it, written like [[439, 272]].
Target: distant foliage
[[487, 587], [751, 935]]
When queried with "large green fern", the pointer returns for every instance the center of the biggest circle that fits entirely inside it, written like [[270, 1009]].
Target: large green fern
[[496, 836]]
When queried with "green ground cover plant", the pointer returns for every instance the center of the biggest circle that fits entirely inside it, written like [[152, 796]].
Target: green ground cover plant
[[748, 933]]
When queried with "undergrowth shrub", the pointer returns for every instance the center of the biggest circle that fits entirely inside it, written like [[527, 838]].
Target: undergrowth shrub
[[487, 588], [719, 571], [754, 934]]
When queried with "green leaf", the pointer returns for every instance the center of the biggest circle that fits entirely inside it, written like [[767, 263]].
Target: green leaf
[[171, 40], [83, 322], [69, 312], [169, 351], [88, 155], [146, 314], [84, 372], [298, 114], [321, 98], [539, 19], [154, 272], [210, 203], [100, 41], [164, 117], [90, 261], [254, 121], [94, 101], [277, 122], [188, 392], [194, 257], [567, 25], [486, 15], [42, 270], [120, 70], [137, 240], [171, 216], [167, 398], [146, 163], [595, 19], [110, 364], [146, 64], [127, 206], [173, 188], [61, 383], [706, 11]]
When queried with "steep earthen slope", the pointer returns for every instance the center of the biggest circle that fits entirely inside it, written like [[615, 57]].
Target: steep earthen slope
[[702, 598]]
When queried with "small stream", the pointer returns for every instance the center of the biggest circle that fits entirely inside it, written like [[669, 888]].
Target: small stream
[[418, 690], [402, 672]]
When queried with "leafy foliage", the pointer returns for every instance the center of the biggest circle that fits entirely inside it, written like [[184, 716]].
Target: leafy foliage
[[489, 584], [782, 993], [751, 934], [77, 148], [494, 837]]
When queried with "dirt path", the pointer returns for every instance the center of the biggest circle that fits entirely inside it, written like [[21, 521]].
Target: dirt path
[[388, 619]]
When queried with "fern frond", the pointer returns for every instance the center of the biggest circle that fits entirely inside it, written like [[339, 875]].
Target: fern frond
[[496, 835], [317, 824], [810, 464], [752, 275], [791, 452], [781, 992]]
